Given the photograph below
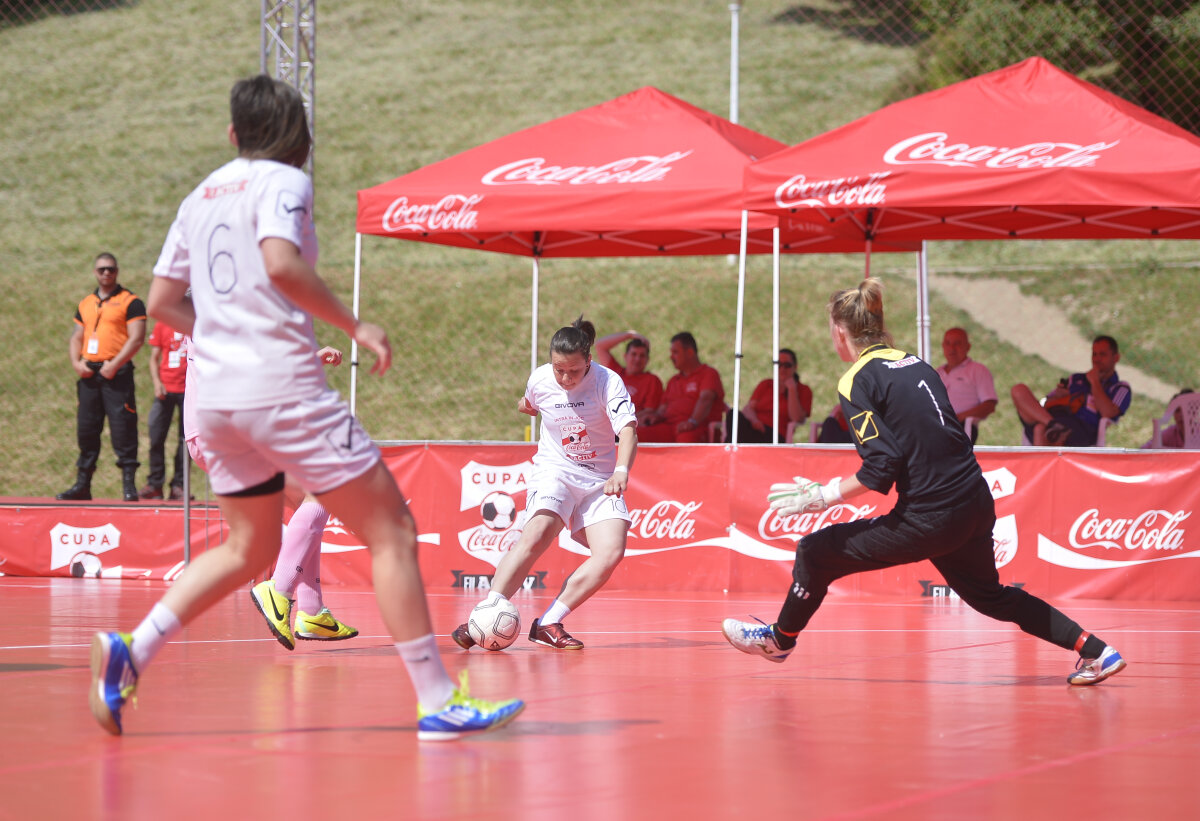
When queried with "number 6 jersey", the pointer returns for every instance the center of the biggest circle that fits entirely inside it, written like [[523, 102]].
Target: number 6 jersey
[[253, 347]]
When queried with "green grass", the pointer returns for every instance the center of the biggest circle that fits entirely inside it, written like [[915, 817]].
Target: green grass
[[113, 117]]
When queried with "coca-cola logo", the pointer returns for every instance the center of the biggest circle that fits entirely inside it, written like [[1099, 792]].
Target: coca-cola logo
[[483, 540], [667, 519], [453, 212], [1151, 530], [846, 192], [936, 148], [536, 171], [773, 525]]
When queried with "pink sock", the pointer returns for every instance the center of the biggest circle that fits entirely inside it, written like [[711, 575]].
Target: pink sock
[[299, 565]]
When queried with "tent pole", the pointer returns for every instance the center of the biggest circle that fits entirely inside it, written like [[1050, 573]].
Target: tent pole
[[775, 327], [533, 342], [923, 302], [734, 8], [737, 342], [353, 342]]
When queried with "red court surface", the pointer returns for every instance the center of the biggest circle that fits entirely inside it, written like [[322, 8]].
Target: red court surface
[[889, 708]]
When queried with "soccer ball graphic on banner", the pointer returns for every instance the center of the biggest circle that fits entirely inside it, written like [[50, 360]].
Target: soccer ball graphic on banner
[[494, 624], [498, 510]]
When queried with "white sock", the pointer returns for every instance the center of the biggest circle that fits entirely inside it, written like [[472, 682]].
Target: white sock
[[159, 627], [429, 677], [555, 613], [493, 597]]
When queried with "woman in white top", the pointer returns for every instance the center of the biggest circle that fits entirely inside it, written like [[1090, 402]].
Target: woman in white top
[[244, 242], [581, 471]]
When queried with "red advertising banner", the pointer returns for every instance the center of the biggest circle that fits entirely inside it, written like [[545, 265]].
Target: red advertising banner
[[1070, 524]]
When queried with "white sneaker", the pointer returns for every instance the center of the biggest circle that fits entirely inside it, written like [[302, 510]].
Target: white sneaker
[[755, 639], [1094, 671]]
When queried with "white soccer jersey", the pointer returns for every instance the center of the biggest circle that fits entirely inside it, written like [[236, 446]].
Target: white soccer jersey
[[578, 432], [254, 348]]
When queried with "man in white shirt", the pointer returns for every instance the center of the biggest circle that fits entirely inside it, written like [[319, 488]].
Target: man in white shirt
[[969, 384]]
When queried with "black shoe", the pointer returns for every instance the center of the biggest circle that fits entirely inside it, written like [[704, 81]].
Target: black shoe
[[129, 486], [81, 491]]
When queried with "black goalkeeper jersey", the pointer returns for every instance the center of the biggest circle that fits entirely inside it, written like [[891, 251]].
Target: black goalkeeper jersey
[[906, 431]]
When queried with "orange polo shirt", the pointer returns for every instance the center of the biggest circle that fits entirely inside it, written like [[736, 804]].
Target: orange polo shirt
[[107, 322]]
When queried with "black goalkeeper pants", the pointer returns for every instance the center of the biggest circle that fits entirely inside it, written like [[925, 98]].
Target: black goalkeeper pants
[[958, 541]]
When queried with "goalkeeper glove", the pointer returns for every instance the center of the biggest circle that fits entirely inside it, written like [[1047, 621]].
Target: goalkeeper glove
[[804, 495]]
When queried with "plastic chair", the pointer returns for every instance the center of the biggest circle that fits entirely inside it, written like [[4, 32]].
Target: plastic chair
[[716, 431], [1189, 403]]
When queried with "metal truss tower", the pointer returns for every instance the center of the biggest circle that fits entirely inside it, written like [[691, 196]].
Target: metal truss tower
[[289, 51]]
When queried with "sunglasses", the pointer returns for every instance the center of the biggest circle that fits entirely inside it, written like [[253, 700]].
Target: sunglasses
[[787, 364], [106, 269]]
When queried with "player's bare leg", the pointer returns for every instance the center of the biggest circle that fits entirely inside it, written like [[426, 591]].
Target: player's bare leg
[[373, 507], [252, 544], [539, 532], [118, 659], [606, 540], [606, 543]]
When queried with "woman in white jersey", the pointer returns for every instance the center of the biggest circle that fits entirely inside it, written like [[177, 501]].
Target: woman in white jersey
[[245, 243], [579, 478]]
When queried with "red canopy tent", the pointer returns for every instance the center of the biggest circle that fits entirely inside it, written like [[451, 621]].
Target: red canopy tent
[[645, 174], [1026, 152], [641, 175]]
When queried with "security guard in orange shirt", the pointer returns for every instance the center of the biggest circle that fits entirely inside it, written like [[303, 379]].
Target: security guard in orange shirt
[[110, 327]]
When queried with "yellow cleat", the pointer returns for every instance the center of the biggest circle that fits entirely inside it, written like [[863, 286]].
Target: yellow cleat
[[276, 609], [322, 627]]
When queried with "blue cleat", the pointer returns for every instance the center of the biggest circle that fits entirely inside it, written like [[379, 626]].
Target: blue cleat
[[755, 639], [113, 678], [465, 716], [1094, 671]]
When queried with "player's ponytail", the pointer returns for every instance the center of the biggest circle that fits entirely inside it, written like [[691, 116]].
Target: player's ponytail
[[860, 312], [574, 338]]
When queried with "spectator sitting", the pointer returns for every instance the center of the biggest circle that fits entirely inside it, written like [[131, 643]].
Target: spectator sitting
[[694, 397], [1172, 435], [969, 383], [645, 388], [835, 430], [1072, 411], [756, 418]]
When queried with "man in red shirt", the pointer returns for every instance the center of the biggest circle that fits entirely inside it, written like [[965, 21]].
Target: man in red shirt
[[693, 399], [168, 369], [645, 388]]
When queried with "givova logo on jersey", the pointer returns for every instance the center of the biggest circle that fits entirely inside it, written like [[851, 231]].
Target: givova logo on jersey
[[490, 498]]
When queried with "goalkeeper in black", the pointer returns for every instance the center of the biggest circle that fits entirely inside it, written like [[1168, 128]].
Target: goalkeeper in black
[[908, 435]]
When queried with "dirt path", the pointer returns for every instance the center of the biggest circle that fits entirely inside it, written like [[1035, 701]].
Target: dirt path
[[1033, 326]]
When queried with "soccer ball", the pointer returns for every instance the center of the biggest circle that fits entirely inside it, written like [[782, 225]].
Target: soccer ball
[[494, 624], [498, 511], [85, 564]]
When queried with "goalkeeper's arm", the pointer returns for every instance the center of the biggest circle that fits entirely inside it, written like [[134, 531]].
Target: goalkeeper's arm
[[850, 486]]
